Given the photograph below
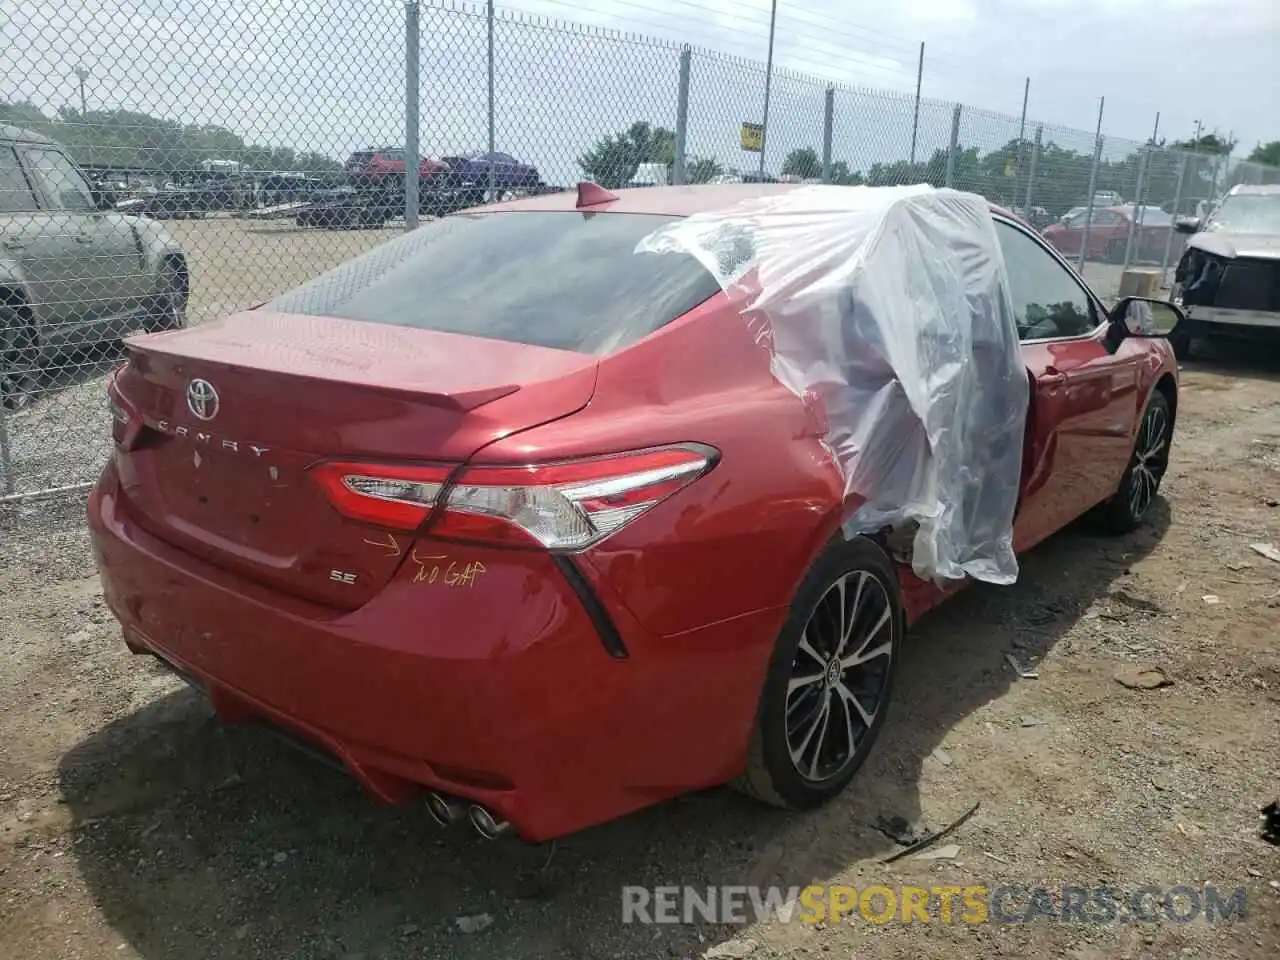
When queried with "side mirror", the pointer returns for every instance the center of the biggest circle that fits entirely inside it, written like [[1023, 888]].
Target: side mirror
[[1145, 317], [1187, 224]]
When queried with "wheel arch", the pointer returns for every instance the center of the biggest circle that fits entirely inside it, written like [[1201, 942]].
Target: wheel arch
[[15, 298], [1168, 387], [178, 261]]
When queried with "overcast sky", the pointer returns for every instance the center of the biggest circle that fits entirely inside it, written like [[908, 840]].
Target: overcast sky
[[328, 74]]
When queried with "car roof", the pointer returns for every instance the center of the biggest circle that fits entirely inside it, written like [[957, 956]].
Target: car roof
[[1255, 189], [680, 201], [9, 132]]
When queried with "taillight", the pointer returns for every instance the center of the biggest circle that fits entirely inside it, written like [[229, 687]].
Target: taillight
[[559, 506], [125, 423], [390, 496]]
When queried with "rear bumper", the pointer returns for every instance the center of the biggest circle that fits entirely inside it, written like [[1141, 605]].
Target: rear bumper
[[502, 694]]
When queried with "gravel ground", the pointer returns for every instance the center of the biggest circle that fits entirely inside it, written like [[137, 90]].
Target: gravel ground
[[132, 825], [63, 439]]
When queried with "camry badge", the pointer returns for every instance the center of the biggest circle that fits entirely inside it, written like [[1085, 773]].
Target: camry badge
[[202, 399]]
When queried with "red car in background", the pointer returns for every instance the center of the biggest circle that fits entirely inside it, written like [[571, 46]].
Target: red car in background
[[386, 161], [1109, 233], [552, 551]]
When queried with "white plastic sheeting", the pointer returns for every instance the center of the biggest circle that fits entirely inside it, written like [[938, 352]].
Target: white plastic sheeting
[[889, 306]]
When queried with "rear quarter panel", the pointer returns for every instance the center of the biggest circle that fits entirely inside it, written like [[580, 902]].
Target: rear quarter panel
[[739, 539]]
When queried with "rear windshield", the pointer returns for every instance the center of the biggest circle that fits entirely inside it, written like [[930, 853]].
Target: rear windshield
[[1152, 217], [561, 279]]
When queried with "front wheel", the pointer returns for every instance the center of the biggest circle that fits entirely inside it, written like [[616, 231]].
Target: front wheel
[[830, 677], [1129, 506], [19, 361]]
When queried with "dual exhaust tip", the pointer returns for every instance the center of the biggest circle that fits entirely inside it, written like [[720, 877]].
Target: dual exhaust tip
[[447, 811]]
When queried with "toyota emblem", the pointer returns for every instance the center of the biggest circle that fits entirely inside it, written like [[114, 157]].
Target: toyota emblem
[[202, 399]]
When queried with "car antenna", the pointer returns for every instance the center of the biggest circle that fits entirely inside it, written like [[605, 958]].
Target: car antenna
[[592, 194]]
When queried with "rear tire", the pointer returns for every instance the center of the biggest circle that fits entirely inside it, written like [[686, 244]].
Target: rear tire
[[824, 698], [169, 308], [1130, 505], [19, 360]]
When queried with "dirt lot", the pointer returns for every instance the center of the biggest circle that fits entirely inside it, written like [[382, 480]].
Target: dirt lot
[[131, 825]]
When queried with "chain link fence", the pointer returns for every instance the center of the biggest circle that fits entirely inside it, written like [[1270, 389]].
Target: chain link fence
[[162, 166]]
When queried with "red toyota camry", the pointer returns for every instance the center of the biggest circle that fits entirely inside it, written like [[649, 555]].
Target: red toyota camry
[[509, 519]]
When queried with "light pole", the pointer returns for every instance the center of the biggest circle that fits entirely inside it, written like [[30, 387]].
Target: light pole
[[82, 75]]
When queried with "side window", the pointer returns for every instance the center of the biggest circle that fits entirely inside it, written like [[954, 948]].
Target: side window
[[1048, 302], [62, 181], [16, 195], [1106, 218]]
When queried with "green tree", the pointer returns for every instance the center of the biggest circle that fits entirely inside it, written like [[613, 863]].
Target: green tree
[[612, 162], [702, 169], [1268, 153], [842, 175], [802, 162], [1207, 143], [125, 138]]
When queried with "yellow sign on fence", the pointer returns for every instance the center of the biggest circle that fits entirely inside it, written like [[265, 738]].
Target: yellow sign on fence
[[753, 137]]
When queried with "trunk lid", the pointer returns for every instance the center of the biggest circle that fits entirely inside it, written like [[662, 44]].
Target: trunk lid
[[219, 468]]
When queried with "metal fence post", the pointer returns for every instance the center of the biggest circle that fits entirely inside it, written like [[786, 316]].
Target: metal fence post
[[915, 117], [1093, 184], [1220, 167], [1139, 197], [7, 482], [1177, 202], [828, 127], [412, 165], [1022, 131], [1031, 168], [492, 110], [768, 86], [682, 116], [954, 146], [1135, 222]]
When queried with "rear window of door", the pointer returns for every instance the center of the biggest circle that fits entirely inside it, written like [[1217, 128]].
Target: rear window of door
[[62, 181], [16, 195], [561, 279]]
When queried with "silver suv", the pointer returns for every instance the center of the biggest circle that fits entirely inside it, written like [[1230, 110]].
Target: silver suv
[[73, 271]]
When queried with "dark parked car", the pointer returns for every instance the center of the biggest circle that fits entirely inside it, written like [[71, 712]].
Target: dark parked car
[[74, 270], [506, 171]]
